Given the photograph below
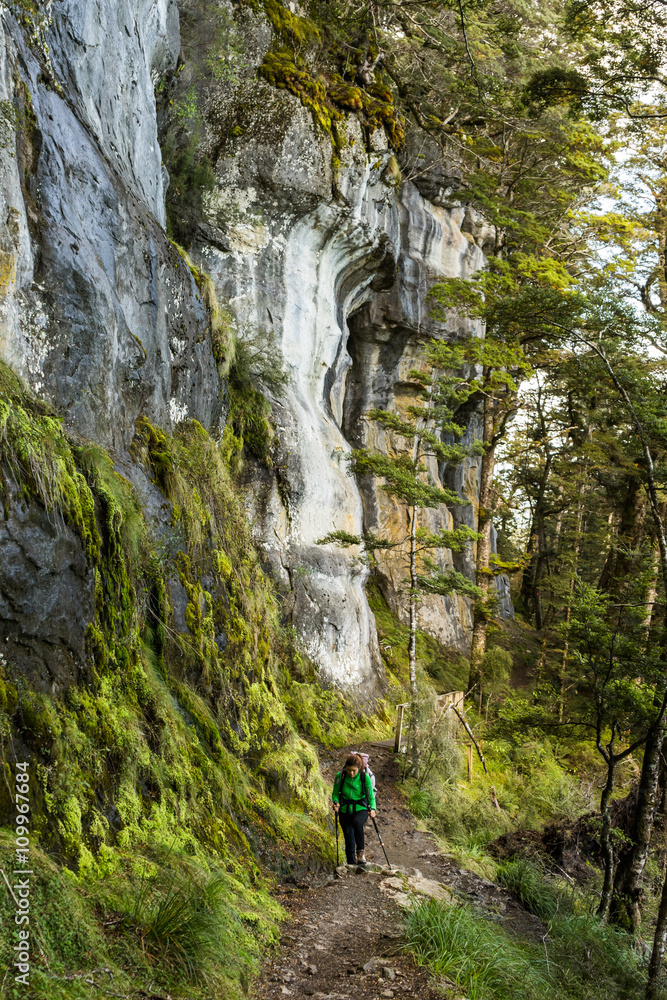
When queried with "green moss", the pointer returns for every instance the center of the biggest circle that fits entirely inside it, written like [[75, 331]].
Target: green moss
[[8, 697], [112, 917], [285, 70], [291, 65], [40, 460], [177, 755], [298, 31]]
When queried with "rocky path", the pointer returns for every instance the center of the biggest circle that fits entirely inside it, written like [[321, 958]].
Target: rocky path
[[343, 939]]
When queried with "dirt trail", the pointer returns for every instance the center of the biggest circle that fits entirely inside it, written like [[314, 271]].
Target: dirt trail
[[343, 938]]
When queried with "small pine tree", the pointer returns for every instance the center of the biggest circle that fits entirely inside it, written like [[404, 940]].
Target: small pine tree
[[405, 477]]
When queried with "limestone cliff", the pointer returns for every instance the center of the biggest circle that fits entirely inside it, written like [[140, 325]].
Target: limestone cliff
[[328, 257]]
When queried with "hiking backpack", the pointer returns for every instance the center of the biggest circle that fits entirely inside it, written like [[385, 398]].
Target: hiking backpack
[[367, 770]]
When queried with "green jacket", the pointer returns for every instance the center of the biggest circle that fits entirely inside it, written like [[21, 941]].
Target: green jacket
[[346, 787]]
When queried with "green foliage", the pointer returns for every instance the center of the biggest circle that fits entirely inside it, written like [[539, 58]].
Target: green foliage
[[173, 920], [531, 784], [537, 891], [439, 759], [184, 918], [594, 961], [178, 750], [495, 670], [191, 178], [624, 53], [303, 60], [485, 961], [581, 959], [556, 86], [255, 372], [445, 582], [401, 478]]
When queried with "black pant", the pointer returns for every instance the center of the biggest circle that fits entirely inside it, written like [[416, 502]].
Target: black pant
[[352, 825]]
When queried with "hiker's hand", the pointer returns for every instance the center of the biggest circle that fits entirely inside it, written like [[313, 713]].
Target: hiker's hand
[[372, 813], [335, 806]]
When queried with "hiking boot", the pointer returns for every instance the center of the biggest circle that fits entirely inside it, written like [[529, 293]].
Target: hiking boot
[[361, 858]]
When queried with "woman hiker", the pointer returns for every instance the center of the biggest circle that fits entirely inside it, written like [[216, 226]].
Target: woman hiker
[[353, 799]]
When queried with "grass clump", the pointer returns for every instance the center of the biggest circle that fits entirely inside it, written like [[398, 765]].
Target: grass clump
[[134, 918], [538, 892], [202, 923], [593, 960], [485, 961], [578, 959], [255, 370]]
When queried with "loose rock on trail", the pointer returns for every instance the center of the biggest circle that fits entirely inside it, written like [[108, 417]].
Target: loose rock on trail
[[343, 939]]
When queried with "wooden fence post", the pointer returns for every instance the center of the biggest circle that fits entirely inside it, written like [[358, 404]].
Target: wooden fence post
[[399, 726]]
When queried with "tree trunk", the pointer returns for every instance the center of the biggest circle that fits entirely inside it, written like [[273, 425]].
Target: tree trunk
[[413, 750], [484, 514], [568, 612], [652, 593], [658, 952], [621, 558], [530, 571], [656, 513], [625, 908], [538, 546], [412, 646], [606, 841]]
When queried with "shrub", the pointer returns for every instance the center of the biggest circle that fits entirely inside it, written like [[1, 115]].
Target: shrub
[[438, 756]]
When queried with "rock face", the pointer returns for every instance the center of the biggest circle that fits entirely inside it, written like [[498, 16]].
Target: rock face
[[98, 311], [340, 286], [102, 315], [46, 596]]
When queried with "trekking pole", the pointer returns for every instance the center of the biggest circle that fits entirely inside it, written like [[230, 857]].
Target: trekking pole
[[337, 857], [380, 839]]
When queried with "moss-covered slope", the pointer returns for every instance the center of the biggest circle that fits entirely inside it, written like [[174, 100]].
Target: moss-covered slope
[[170, 765]]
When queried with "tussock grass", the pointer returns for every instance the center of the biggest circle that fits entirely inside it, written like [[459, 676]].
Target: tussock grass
[[148, 915], [578, 959], [197, 922], [595, 961], [540, 893], [485, 961]]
